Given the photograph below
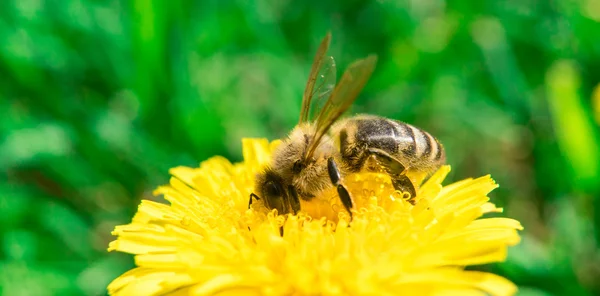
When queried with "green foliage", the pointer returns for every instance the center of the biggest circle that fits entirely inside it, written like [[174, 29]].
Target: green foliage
[[100, 98]]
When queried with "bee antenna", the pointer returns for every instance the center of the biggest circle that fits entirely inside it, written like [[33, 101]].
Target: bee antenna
[[252, 195]]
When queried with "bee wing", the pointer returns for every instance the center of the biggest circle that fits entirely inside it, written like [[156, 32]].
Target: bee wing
[[342, 97], [324, 85], [321, 80]]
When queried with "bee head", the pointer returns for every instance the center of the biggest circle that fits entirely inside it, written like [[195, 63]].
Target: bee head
[[275, 193]]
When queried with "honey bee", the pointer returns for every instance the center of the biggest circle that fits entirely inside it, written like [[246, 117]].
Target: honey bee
[[321, 150]]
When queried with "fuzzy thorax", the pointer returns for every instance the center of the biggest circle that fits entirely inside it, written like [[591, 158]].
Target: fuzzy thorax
[[308, 175]]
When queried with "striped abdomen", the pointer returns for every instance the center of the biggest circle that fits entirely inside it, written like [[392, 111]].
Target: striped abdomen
[[415, 148]]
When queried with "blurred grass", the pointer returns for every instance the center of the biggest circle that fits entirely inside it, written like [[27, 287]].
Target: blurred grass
[[100, 98]]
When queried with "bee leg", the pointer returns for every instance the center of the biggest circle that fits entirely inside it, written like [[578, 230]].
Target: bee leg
[[252, 195], [397, 172], [336, 179], [390, 163], [294, 200], [404, 184]]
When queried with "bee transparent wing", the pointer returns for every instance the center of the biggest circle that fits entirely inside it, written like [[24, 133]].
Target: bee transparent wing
[[321, 80], [324, 85], [342, 97]]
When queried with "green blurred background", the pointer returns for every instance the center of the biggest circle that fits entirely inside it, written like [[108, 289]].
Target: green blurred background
[[99, 99]]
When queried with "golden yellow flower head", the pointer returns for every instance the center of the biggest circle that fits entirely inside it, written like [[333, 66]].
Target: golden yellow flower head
[[206, 242]]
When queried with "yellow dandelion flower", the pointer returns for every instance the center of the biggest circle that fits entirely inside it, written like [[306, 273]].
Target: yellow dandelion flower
[[206, 242]]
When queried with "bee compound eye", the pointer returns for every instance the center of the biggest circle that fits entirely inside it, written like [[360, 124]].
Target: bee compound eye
[[272, 189]]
